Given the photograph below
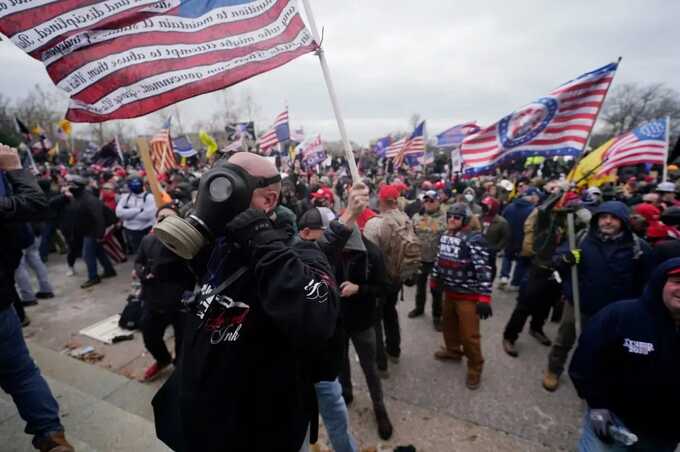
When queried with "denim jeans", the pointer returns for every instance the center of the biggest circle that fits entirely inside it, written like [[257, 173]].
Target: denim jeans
[[134, 239], [21, 379], [31, 259], [45, 238], [334, 414], [589, 442], [93, 251]]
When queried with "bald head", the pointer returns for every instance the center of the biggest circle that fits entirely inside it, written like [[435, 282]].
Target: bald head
[[257, 166]]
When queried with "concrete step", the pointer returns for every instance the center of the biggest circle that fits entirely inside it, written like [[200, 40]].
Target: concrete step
[[88, 398]]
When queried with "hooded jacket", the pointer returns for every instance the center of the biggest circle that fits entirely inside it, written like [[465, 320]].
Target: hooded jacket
[[628, 361], [611, 270], [516, 213]]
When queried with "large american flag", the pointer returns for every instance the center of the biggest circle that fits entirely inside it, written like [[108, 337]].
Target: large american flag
[[122, 59], [162, 155], [557, 124], [645, 144], [278, 133], [414, 144]]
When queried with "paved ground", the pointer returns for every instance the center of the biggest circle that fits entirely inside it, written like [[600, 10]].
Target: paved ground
[[427, 399]]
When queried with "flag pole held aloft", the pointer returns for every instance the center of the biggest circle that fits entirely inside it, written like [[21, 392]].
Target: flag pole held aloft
[[349, 155]]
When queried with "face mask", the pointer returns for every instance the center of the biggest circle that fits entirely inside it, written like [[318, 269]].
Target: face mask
[[136, 186], [223, 192], [469, 197]]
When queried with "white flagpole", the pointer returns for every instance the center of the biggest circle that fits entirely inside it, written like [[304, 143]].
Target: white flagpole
[[668, 145], [349, 155]]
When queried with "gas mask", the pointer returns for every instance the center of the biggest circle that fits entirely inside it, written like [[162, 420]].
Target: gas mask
[[223, 192]]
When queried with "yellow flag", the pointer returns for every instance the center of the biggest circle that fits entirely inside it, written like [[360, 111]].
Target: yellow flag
[[65, 125], [586, 169], [209, 143], [292, 152]]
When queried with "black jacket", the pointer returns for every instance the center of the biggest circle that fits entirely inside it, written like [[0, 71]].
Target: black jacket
[[171, 275], [628, 361], [244, 383], [23, 201], [89, 216]]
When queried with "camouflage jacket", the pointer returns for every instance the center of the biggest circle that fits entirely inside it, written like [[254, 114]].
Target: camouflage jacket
[[429, 229]]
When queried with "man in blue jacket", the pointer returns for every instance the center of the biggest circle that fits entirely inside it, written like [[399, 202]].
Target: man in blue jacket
[[613, 264], [516, 214], [627, 368]]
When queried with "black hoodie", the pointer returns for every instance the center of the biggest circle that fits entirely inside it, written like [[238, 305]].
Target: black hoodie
[[628, 361]]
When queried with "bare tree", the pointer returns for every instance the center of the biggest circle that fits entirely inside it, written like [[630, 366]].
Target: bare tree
[[631, 104]]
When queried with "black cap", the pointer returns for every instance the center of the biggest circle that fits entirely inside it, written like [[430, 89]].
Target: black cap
[[313, 219]]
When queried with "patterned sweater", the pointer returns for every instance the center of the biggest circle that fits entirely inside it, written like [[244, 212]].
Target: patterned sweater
[[462, 266]]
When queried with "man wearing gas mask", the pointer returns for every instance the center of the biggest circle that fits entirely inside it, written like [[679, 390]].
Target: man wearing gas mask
[[137, 210], [265, 306]]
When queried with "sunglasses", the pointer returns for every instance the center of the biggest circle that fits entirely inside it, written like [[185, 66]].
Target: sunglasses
[[455, 217]]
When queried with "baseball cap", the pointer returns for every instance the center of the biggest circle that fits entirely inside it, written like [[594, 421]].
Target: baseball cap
[[430, 194], [316, 218], [324, 192], [666, 187], [388, 192], [533, 191]]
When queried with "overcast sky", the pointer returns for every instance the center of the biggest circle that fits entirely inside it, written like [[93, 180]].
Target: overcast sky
[[447, 61]]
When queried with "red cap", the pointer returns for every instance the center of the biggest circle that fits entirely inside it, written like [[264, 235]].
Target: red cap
[[324, 192], [388, 192]]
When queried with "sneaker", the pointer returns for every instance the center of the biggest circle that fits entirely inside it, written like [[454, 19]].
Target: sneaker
[[551, 381], [540, 337], [110, 274], [52, 442], [509, 348], [348, 397], [44, 295], [385, 428], [415, 313], [90, 282], [444, 355], [394, 359], [25, 322], [473, 381], [71, 271], [153, 371], [437, 323], [503, 282]]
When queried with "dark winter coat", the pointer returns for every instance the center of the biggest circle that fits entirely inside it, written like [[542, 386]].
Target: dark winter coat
[[22, 201], [244, 381], [609, 270], [171, 275], [89, 216], [516, 213], [628, 361]]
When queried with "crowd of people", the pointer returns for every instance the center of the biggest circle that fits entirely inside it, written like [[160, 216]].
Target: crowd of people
[[296, 264]]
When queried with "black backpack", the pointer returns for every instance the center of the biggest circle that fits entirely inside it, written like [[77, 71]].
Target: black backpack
[[131, 317]]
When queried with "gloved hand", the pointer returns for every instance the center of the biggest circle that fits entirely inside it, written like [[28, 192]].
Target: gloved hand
[[484, 310], [247, 225], [573, 257], [601, 420]]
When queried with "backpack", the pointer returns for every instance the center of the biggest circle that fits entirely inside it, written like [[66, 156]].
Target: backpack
[[403, 250], [131, 317]]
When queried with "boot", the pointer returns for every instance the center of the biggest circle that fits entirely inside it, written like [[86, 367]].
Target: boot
[[509, 348], [52, 442], [551, 381], [445, 355], [384, 425], [473, 381], [417, 312], [540, 337]]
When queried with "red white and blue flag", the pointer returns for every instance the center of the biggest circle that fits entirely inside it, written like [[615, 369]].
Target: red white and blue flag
[[121, 59], [557, 124], [454, 136], [645, 144], [413, 145], [278, 133]]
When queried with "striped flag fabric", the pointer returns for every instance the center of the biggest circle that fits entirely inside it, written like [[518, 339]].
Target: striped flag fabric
[[454, 136], [182, 146], [557, 124], [120, 59], [644, 144], [414, 145], [312, 150], [278, 133], [162, 155]]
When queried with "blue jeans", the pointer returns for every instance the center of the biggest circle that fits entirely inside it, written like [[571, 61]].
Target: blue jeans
[[521, 265], [334, 414], [93, 251], [21, 379], [589, 442], [31, 259]]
